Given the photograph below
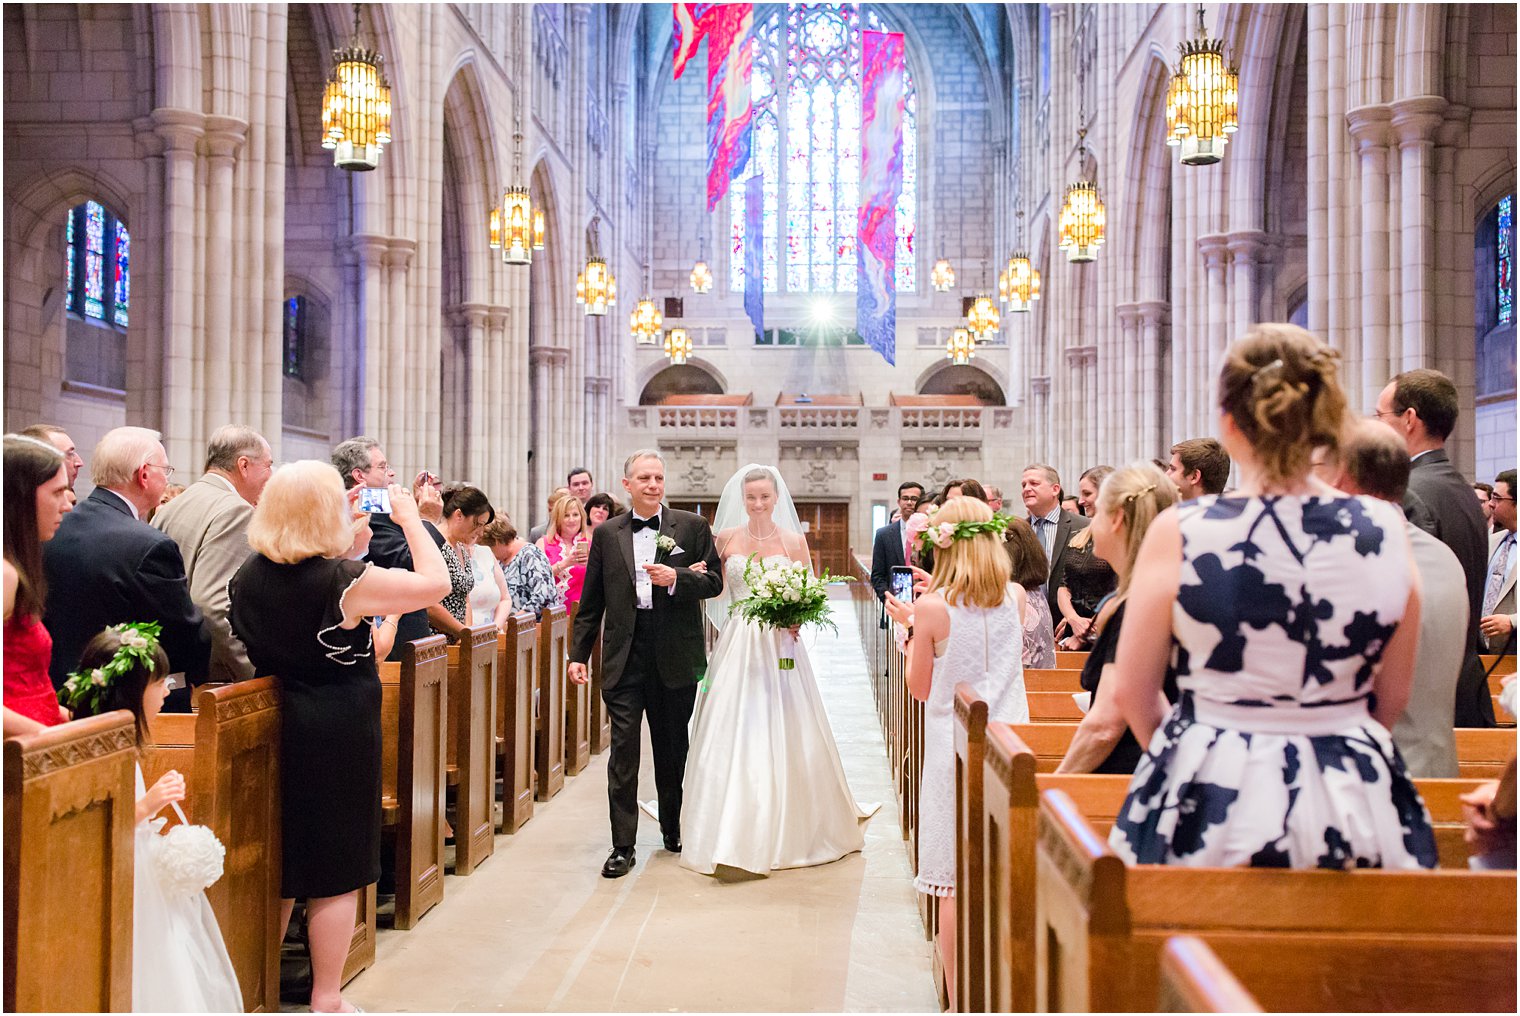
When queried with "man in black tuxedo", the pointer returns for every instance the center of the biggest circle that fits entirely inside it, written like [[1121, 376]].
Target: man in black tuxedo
[[639, 578], [107, 566], [363, 463], [1421, 407], [1041, 489], [890, 549]]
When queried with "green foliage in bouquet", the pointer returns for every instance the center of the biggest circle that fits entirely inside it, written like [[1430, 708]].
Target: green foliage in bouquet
[[784, 595]]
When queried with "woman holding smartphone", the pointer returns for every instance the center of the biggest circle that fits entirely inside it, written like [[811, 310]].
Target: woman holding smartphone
[[567, 544]]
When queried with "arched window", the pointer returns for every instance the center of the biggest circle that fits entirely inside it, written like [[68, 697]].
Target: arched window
[[99, 254], [806, 93], [1494, 302]]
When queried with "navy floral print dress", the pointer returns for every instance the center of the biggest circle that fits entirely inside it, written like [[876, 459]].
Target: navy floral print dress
[[1271, 757]]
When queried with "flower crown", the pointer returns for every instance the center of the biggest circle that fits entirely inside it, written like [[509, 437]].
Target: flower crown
[[84, 690], [927, 534]]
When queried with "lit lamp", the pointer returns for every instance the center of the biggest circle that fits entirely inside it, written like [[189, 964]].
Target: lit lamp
[[961, 346], [1023, 283], [677, 345], [701, 277], [595, 287], [1203, 100], [356, 107], [509, 228], [983, 318], [646, 321], [1082, 222], [942, 276]]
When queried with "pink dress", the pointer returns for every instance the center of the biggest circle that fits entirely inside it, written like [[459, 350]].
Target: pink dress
[[555, 550]]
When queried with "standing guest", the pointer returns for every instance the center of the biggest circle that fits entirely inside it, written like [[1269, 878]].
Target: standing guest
[[1128, 502], [1069, 503], [567, 545], [1086, 579], [530, 579], [1027, 561], [1498, 621], [1484, 492], [209, 523], [490, 602], [1374, 463], [1199, 466], [890, 547], [106, 566], [300, 607], [962, 488], [1421, 407], [537, 532], [59, 439], [958, 631], [580, 484], [994, 498], [1292, 613], [36, 499], [600, 508], [465, 512], [1040, 487], [1087, 489]]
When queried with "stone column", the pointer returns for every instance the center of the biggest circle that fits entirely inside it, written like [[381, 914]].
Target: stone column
[[410, 386], [1414, 123], [475, 421], [222, 139], [501, 472], [1152, 316], [1369, 129], [541, 363], [1250, 252], [368, 251], [1207, 355], [180, 131], [1131, 391]]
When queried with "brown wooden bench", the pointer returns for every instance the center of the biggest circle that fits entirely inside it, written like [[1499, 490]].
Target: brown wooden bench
[[70, 819], [970, 897], [1483, 752], [1194, 980], [472, 745], [361, 947], [1070, 661], [1052, 680], [577, 715], [1500, 665], [414, 719], [1496, 684], [516, 676], [1053, 707], [549, 750], [1100, 926], [601, 719]]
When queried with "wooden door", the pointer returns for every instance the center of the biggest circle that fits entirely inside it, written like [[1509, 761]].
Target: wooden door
[[828, 526]]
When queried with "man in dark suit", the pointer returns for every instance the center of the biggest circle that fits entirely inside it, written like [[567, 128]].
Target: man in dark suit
[[106, 566], [1421, 407], [890, 549], [1041, 489], [653, 648]]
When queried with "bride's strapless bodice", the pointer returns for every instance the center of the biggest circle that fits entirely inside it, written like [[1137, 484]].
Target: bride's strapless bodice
[[734, 582]]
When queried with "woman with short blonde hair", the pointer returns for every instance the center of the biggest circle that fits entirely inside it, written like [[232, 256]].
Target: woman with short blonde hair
[[567, 545], [302, 513]]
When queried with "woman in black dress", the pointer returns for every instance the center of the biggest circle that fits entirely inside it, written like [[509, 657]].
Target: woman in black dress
[[301, 608], [1085, 577]]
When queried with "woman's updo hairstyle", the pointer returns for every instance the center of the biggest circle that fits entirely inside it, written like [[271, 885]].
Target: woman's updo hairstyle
[[756, 475], [461, 497], [1137, 493], [1281, 386]]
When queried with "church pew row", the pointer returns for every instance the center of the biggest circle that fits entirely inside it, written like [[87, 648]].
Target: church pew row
[[601, 719], [472, 745], [413, 778], [1194, 980], [70, 811], [1499, 665], [553, 665], [577, 714], [516, 677]]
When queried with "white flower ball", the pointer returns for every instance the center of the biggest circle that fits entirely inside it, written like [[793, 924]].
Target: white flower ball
[[188, 858]]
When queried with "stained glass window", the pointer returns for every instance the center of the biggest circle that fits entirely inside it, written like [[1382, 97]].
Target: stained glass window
[[94, 260], [93, 235], [295, 336], [123, 279], [1504, 260], [806, 93]]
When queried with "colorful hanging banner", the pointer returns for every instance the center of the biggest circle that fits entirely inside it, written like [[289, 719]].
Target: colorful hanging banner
[[690, 26], [881, 178], [729, 60], [754, 248]]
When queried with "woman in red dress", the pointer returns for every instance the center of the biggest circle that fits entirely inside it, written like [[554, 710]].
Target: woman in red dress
[[36, 496]]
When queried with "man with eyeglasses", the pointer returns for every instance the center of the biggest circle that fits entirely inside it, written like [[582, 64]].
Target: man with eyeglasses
[[107, 566], [1498, 621]]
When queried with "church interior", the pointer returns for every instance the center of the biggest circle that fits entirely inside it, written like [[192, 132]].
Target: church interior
[[868, 243]]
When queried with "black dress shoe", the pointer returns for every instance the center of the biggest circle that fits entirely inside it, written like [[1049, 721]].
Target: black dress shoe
[[673, 844], [619, 862]]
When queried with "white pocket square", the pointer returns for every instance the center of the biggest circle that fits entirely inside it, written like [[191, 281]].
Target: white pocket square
[[676, 550]]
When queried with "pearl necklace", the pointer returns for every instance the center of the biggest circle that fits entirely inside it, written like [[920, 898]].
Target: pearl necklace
[[760, 539]]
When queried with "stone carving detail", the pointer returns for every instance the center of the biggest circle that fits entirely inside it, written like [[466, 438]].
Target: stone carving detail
[[881, 418], [818, 476], [1002, 419], [699, 477]]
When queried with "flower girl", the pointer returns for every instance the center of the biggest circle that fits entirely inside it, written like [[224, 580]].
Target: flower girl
[[179, 962]]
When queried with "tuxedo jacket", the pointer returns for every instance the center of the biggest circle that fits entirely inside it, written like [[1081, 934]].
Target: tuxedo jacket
[[104, 567], [388, 549], [609, 599], [1067, 526], [886, 554], [1506, 604]]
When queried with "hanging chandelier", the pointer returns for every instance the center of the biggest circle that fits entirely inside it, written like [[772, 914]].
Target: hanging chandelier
[[595, 286], [1083, 219], [982, 319], [677, 345], [356, 107], [517, 230], [701, 277], [942, 276], [646, 321], [1023, 283], [960, 348], [1203, 100]]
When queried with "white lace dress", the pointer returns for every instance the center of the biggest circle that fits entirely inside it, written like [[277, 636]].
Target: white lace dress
[[983, 650], [764, 786]]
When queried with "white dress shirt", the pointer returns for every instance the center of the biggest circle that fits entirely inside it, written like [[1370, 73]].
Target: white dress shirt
[[644, 551], [130, 506]]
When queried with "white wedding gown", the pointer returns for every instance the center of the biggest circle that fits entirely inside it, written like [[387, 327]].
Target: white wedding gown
[[764, 787]]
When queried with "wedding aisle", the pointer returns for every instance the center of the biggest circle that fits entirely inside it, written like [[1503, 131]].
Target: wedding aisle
[[536, 928]]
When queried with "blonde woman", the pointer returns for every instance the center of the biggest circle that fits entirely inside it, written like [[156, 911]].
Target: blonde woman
[[1124, 508], [301, 607], [965, 627], [567, 545]]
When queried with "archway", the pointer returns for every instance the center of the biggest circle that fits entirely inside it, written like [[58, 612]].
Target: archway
[[679, 380], [964, 380]]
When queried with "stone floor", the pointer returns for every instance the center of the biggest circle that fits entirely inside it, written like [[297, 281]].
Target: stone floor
[[536, 928]]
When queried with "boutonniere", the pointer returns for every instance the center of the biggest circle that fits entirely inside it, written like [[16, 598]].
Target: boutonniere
[[665, 544]]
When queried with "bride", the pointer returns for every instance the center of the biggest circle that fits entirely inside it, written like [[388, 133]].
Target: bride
[[764, 786]]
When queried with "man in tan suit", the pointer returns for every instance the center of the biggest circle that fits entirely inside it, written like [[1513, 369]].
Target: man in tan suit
[[209, 521]]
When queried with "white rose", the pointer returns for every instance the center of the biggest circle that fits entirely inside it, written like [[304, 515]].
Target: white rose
[[791, 596], [98, 677]]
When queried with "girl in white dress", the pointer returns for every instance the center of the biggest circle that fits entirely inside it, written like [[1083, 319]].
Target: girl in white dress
[[764, 785]]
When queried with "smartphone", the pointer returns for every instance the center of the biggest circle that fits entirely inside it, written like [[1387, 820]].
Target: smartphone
[[902, 583], [375, 500]]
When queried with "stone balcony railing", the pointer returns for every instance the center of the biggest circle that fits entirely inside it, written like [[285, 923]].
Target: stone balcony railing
[[958, 424]]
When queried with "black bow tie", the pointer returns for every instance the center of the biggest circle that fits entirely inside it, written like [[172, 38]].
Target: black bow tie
[[651, 523]]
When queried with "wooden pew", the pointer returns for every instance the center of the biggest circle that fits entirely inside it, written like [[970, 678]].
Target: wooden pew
[[472, 745], [516, 675], [577, 714], [1052, 680], [361, 947], [601, 719], [70, 819], [1501, 665], [414, 721], [1496, 683], [970, 897], [1483, 752], [1053, 707], [1193, 980], [1447, 938], [1070, 661], [553, 659]]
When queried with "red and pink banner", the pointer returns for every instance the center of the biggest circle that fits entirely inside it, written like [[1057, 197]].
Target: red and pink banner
[[690, 26], [881, 181], [730, 57]]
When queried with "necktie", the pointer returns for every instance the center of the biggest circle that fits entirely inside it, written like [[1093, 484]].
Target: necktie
[[1496, 577], [651, 523]]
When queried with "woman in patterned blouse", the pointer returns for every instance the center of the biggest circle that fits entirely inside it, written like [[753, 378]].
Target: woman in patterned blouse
[[530, 580]]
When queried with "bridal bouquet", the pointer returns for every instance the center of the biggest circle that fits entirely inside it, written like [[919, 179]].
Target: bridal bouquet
[[784, 595]]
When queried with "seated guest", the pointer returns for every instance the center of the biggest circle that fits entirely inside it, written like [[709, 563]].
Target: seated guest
[[209, 523], [1374, 463], [537, 532], [1127, 504], [1199, 466], [530, 580], [36, 499], [600, 508], [567, 545], [1027, 560], [1498, 621], [301, 607], [1040, 487], [890, 547], [1292, 613], [59, 439], [106, 566], [466, 511], [1490, 813], [1087, 489]]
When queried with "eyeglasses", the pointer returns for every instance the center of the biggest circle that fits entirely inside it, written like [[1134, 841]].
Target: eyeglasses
[[1499, 497], [168, 470], [1378, 414]]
